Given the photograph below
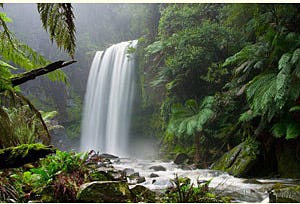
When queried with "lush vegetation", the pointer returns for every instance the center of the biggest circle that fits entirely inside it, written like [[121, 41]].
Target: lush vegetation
[[211, 76], [245, 56]]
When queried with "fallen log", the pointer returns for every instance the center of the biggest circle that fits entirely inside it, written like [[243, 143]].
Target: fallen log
[[30, 75], [14, 157]]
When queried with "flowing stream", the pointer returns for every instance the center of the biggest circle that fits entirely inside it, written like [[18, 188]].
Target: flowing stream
[[108, 100], [240, 189]]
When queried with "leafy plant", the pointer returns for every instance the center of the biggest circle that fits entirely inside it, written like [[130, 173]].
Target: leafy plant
[[190, 119], [183, 191]]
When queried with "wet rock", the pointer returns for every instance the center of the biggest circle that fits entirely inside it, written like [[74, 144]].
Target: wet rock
[[100, 176], [181, 158], [135, 178], [128, 171], [104, 191], [153, 175], [158, 168], [117, 175], [241, 160], [285, 195], [143, 194], [134, 175], [108, 156]]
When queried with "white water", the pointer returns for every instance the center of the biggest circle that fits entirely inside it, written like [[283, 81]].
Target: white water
[[223, 184], [108, 101]]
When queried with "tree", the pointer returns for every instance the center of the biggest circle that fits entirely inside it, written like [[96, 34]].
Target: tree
[[190, 120]]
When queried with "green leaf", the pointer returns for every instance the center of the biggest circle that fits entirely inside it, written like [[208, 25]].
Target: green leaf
[[279, 129], [293, 130], [294, 108]]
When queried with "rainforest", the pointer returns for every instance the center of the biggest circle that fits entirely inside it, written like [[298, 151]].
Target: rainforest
[[149, 102]]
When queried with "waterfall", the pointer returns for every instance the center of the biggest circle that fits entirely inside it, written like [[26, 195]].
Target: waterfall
[[108, 101]]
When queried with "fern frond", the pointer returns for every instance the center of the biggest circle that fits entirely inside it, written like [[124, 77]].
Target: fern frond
[[58, 20], [261, 92], [293, 130]]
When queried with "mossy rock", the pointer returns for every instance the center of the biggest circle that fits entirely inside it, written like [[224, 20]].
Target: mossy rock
[[104, 191], [143, 194], [240, 160], [288, 160], [100, 176], [14, 157], [285, 195]]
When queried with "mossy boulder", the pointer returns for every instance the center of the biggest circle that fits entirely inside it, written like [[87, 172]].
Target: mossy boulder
[[142, 194], [288, 159], [14, 157], [240, 160], [285, 195], [104, 191]]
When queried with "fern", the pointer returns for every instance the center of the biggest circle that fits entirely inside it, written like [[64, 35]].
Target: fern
[[21, 55], [58, 20], [286, 127], [190, 118], [261, 92]]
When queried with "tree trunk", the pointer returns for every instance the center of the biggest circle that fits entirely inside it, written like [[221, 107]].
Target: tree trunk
[[197, 146], [30, 75]]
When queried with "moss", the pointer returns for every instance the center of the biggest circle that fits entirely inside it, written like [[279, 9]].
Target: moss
[[142, 194], [240, 160], [23, 154], [104, 191], [285, 194]]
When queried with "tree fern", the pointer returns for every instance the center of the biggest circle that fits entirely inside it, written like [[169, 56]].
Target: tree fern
[[190, 118], [21, 55], [287, 128], [58, 20]]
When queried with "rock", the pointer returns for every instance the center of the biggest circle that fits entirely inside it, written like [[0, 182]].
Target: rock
[[141, 179], [104, 191], [153, 175], [100, 176], [136, 178], [128, 171], [241, 160], [108, 156], [181, 158], [134, 175], [158, 168], [285, 195], [288, 159], [142, 194]]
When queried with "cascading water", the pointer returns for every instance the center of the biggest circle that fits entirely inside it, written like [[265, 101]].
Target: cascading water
[[108, 101]]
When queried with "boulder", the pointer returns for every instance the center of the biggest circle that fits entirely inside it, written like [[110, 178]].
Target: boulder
[[128, 171], [241, 160], [104, 191], [158, 168], [285, 195], [181, 158], [143, 194], [135, 178], [153, 175], [108, 156]]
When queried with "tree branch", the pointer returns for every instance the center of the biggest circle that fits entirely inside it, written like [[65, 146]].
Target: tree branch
[[30, 75]]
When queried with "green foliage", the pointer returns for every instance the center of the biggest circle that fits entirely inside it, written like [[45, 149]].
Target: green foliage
[[58, 20], [183, 191], [62, 172], [12, 51], [20, 123], [190, 118]]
